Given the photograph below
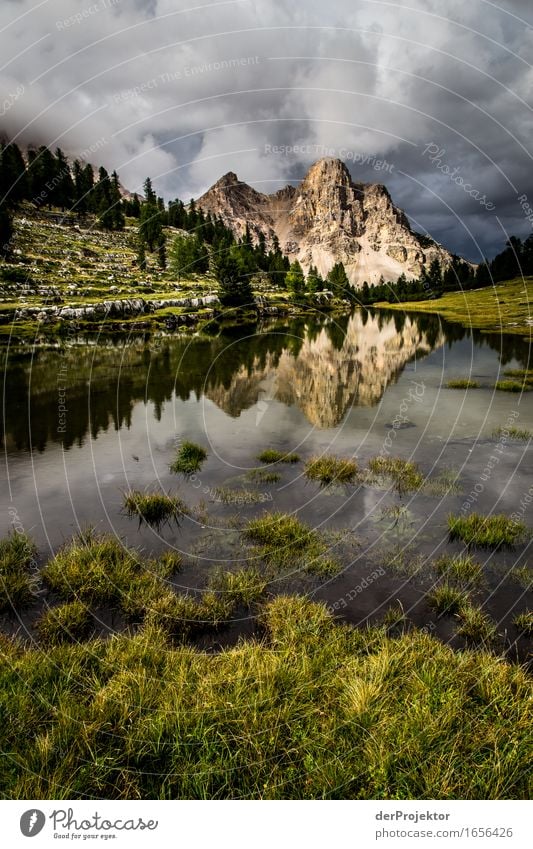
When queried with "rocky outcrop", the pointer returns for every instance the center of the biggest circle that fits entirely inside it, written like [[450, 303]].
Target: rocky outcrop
[[112, 309], [326, 219]]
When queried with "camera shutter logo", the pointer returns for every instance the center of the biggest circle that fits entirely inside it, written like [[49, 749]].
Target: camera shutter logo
[[32, 822]]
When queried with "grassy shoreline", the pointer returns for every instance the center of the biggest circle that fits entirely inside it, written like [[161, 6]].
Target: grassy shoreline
[[315, 710], [504, 308]]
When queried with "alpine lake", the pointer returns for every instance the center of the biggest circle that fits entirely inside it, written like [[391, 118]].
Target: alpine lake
[[91, 419]]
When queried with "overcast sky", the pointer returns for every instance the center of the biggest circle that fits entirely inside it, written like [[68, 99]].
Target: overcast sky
[[185, 91]]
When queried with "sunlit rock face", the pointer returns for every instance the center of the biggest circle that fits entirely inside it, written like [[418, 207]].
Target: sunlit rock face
[[326, 219], [334, 369]]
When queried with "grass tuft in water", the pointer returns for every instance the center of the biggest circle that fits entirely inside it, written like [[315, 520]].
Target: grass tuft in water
[[524, 622], [394, 618], [447, 599], [523, 575], [462, 383], [272, 455], [513, 433], [93, 569], [189, 459], [405, 475], [17, 585], [285, 541], [512, 386], [496, 531], [244, 587], [329, 469], [476, 626], [70, 622], [154, 508], [523, 374], [462, 569]]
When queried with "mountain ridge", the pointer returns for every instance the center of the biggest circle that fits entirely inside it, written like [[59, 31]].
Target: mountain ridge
[[328, 218]]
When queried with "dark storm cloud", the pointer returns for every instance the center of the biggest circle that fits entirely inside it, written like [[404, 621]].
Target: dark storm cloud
[[188, 90]]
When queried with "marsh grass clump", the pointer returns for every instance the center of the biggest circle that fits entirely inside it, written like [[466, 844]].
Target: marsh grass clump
[[524, 622], [394, 619], [154, 508], [462, 569], [446, 482], [476, 626], [328, 469], [496, 531], [93, 569], [447, 599], [176, 615], [517, 433], [512, 386], [70, 622], [523, 575], [285, 541], [405, 475], [523, 374], [462, 383], [244, 587], [17, 584], [272, 455], [189, 458]]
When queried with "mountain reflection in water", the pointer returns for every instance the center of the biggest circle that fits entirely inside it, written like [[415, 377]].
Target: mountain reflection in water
[[323, 366]]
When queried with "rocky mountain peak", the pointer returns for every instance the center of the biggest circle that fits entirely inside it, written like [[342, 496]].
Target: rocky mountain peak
[[229, 179], [328, 218]]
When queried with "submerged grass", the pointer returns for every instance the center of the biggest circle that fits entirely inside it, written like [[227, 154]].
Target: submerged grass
[[523, 374], [447, 599], [476, 625], [315, 711], [524, 622], [272, 455], [189, 458], [496, 531], [285, 541], [462, 383], [263, 476], [404, 474], [462, 569], [328, 469], [154, 508], [17, 553], [513, 433], [512, 386]]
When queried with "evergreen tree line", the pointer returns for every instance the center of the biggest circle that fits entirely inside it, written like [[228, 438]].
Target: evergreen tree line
[[49, 180]]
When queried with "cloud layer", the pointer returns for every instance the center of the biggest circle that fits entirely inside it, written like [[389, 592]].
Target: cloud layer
[[186, 91]]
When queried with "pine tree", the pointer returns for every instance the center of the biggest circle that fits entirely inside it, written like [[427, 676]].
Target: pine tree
[[295, 280], [338, 281], [141, 255], [6, 230], [119, 221], [188, 255], [234, 288], [162, 252], [13, 179], [63, 193], [150, 226]]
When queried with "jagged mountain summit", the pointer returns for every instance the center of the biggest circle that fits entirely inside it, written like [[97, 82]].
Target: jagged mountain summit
[[326, 219]]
